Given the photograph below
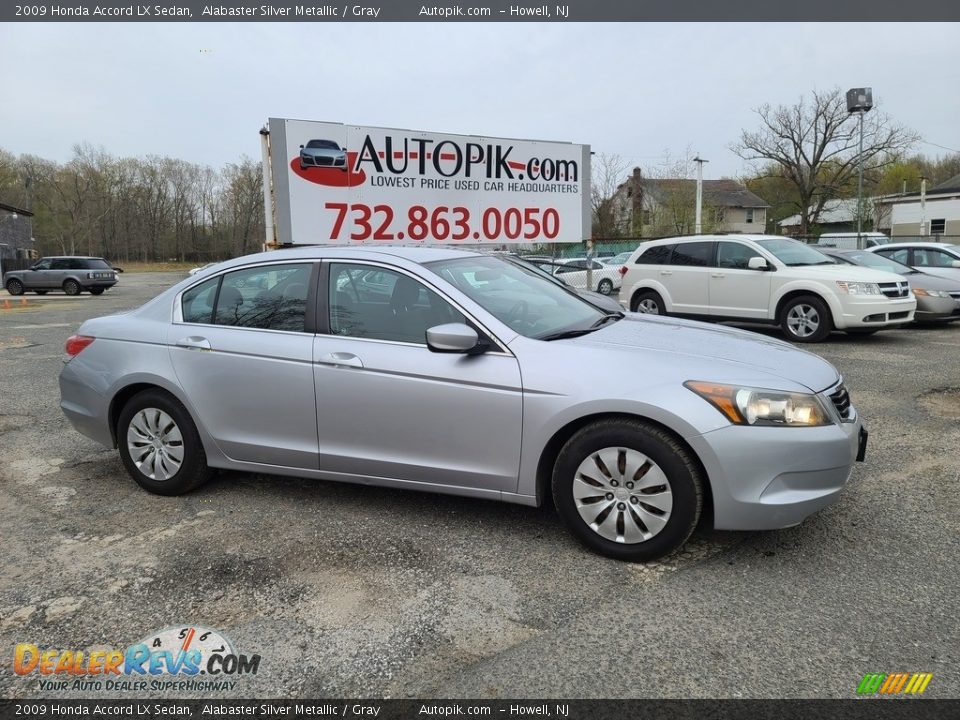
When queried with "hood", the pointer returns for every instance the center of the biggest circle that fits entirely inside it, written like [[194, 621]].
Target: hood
[[705, 341], [849, 273], [926, 281]]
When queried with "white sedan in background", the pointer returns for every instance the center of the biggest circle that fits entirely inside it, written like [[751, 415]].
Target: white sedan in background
[[606, 278]]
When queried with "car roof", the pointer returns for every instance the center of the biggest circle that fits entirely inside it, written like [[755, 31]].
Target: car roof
[[71, 257], [713, 238], [414, 253], [917, 244]]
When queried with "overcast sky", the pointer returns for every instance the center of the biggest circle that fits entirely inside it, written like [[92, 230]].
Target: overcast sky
[[201, 91]]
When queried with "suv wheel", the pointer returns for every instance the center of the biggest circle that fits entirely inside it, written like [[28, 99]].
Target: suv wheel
[[605, 287], [627, 489], [649, 302], [806, 319], [14, 287], [97, 290], [71, 287], [160, 445]]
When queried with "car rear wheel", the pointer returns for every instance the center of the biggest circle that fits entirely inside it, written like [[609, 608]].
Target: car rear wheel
[[806, 319], [605, 287], [628, 489], [14, 287], [97, 290], [71, 287], [648, 302], [160, 446]]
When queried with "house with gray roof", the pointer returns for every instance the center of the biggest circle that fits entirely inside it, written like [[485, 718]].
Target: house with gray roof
[[16, 232], [658, 207]]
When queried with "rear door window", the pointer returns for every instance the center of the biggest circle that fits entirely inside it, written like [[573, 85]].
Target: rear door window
[[657, 255], [269, 297], [693, 254]]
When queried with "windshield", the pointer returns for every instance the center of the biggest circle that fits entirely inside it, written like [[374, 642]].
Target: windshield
[[793, 253], [522, 299], [325, 144], [880, 262]]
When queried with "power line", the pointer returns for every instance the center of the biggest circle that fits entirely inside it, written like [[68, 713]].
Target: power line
[[942, 147]]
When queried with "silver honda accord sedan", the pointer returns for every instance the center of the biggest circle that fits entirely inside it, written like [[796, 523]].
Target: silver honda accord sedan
[[458, 372]]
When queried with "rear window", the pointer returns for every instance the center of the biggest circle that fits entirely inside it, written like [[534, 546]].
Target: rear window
[[96, 264], [657, 255]]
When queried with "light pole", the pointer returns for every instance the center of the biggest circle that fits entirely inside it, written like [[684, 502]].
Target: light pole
[[698, 225], [860, 101]]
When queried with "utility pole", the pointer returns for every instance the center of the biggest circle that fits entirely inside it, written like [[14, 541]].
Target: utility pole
[[698, 225], [923, 206]]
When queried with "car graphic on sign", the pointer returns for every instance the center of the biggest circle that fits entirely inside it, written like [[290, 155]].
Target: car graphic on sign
[[322, 153]]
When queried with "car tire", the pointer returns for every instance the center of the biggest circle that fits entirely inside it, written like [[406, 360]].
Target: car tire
[[40, 292], [160, 446], [649, 490], [14, 287], [72, 287], [649, 302], [806, 319], [605, 287], [97, 290]]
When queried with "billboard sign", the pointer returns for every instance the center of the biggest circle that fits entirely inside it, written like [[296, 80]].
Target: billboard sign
[[336, 184]]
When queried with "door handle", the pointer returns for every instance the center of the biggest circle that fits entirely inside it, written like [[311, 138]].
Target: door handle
[[666, 272], [343, 359], [194, 342], [717, 275]]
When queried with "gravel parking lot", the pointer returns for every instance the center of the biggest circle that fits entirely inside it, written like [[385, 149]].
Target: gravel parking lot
[[357, 591]]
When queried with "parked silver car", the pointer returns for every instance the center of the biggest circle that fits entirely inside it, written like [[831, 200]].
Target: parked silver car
[[322, 153], [460, 372], [71, 274]]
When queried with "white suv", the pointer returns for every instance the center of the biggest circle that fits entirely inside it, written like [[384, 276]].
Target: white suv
[[763, 278]]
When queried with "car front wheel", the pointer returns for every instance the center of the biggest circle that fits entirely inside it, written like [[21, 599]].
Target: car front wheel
[[14, 287], [806, 319], [628, 489], [160, 446]]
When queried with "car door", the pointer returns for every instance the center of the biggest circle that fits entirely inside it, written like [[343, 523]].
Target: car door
[[936, 262], [33, 278], [735, 289], [242, 348], [389, 408], [60, 270], [688, 277]]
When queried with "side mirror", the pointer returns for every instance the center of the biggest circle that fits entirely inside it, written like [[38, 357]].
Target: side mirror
[[757, 263], [452, 338], [301, 147], [955, 263]]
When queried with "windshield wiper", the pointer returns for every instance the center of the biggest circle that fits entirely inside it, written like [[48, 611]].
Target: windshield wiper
[[606, 318], [577, 332]]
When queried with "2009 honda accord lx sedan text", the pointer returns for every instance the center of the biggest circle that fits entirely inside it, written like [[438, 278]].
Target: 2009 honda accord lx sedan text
[[458, 372]]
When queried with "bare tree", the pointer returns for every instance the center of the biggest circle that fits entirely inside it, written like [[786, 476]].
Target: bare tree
[[607, 174], [814, 144]]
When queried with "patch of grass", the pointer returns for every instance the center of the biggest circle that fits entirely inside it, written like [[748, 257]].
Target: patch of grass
[[138, 267]]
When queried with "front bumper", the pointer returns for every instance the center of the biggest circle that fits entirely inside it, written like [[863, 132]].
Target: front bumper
[[862, 311], [933, 309], [767, 478]]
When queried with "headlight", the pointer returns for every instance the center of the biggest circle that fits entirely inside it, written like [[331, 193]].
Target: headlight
[[859, 288], [756, 406], [930, 293]]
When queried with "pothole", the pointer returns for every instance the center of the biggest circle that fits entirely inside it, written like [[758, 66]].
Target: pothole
[[944, 403], [12, 422]]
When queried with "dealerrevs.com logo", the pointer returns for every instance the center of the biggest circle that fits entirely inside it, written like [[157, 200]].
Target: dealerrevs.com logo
[[182, 658]]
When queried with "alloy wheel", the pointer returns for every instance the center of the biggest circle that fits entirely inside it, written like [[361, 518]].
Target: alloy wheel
[[622, 495], [803, 320], [155, 444]]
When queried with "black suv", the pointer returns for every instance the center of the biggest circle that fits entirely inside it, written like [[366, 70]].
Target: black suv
[[73, 275]]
